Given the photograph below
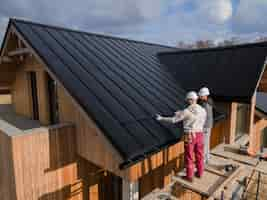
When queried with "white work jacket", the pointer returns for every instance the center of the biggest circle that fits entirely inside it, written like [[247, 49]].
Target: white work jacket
[[193, 117]]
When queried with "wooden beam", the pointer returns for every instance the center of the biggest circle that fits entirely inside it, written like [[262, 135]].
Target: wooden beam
[[20, 46], [230, 138], [19, 52], [5, 59], [251, 127]]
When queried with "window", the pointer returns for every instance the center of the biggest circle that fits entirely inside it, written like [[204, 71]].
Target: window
[[53, 100], [242, 120], [34, 95]]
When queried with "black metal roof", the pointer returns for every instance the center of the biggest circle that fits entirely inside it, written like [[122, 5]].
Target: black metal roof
[[231, 73], [120, 83], [261, 102]]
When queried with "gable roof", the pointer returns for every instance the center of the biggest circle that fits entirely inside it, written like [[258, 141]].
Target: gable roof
[[119, 83], [231, 73]]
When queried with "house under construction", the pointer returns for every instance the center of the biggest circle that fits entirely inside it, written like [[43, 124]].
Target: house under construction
[[77, 117]]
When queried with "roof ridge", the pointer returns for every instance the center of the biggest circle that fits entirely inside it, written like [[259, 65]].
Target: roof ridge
[[213, 49], [89, 33]]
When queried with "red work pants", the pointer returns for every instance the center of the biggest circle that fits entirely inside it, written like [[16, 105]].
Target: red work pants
[[194, 146]]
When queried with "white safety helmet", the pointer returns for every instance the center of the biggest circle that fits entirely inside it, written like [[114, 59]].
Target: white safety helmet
[[191, 95], [204, 92]]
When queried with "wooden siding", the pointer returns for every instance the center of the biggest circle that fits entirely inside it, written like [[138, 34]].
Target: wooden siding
[[218, 133], [7, 181], [259, 126], [7, 72], [156, 171], [42, 164], [21, 94], [224, 131], [91, 143], [45, 164]]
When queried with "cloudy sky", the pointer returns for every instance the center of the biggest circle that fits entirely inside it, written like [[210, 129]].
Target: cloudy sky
[[159, 21]]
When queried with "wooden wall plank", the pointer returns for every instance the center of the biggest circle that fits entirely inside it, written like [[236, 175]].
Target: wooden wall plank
[[156, 171], [259, 126], [45, 164], [21, 94], [43, 97], [7, 179], [232, 119]]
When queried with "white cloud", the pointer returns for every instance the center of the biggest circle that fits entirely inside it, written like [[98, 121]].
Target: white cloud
[[215, 11], [3, 25], [151, 20], [150, 8], [250, 16], [105, 16]]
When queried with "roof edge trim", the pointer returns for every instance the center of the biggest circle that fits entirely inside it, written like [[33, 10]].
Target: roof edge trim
[[221, 48]]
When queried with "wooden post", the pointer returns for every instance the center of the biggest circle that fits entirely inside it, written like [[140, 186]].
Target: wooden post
[[251, 129], [230, 137], [130, 191]]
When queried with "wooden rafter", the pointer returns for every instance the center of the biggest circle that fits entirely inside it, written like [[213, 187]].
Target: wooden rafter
[[19, 52]]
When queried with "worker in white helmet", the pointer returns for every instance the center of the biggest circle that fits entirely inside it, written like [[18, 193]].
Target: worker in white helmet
[[206, 102], [193, 118]]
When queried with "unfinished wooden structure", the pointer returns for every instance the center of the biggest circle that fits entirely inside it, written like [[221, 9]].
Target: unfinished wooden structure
[[53, 145]]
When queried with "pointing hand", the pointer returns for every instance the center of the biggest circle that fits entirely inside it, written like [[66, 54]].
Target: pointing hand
[[158, 117]]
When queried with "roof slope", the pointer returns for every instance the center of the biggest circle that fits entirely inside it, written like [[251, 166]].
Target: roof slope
[[230, 72], [261, 102], [119, 83]]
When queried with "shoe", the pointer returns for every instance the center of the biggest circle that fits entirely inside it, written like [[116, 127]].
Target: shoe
[[197, 175]]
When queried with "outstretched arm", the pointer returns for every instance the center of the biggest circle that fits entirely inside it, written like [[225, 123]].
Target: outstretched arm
[[179, 116]]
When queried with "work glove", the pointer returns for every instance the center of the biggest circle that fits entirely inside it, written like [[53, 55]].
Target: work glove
[[158, 117]]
